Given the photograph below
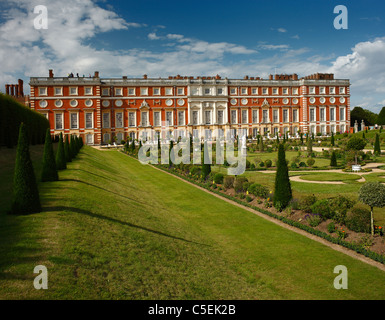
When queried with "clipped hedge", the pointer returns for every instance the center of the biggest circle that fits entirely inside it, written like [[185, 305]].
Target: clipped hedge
[[12, 114]]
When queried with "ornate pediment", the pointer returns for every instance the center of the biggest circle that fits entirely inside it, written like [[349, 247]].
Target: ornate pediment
[[144, 105], [265, 103]]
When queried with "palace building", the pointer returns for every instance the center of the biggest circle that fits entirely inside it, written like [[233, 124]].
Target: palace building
[[101, 110]]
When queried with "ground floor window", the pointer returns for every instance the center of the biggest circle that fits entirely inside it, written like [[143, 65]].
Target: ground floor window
[[106, 138], [89, 138]]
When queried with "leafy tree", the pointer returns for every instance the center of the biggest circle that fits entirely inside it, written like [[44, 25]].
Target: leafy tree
[[61, 162], [377, 148], [355, 144], [358, 114], [373, 195], [49, 170], [282, 189], [333, 159], [381, 117], [25, 192]]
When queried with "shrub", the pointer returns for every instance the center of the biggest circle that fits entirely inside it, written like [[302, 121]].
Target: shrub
[[294, 204], [261, 164], [333, 160], [358, 220], [293, 165], [282, 188], [195, 170], [310, 162], [248, 199], [323, 208], [314, 219], [218, 178], [331, 227], [49, 171], [302, 164], [341, 205], [307, 202], [268, 163], [238, 184], [26, 194], [258, 190], [228, 182]]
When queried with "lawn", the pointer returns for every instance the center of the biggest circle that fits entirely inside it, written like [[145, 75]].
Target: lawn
[[115, 229]]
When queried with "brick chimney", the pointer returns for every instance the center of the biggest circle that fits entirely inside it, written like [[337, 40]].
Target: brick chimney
[[50, 73], [21, 88], [7, 89], [145, 76], [96, 74]]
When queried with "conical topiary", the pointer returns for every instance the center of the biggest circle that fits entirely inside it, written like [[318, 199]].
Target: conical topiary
[[49, 171], [61, 162], [67, 150], [25, 192], [333, 159], [282, 189]]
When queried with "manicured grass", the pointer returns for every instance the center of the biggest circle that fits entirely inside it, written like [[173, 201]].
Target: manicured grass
[[330, 176], [113, 228]]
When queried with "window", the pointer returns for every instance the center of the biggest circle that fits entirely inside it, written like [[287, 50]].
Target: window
[[156, 91], [89, 120], [275, 116], [333, 128], [219, 91], [332, 114], [144, 118], [73, 103], [233, 115], [88, 91], [255, 116], [254, 90], [118, 91], [275, 131], [295, 90], [195, 91], [342, 114], [143, 91], [285, 115], [132, 135], [58, 91], [89, 138], [323, 129], [342, 90], [265, 116], [59, 121], [244, 116], [42, 91], [181, 118], [168, 91], [312, 114], [195, 117], [322, 114], [208, 116], [332, 90], [73, 91], [207, 90], [131, 119], [106, 138], [180, 91], [295, 115], [220, 117], [285, 91], [244, 90], [275, 90], [312, 90], [106, 120], [322, 90], [73, 120], [169, 118], [233, 90], [265, 91], [105, 92], [119, 120], [342, 128], [157, 118], [131, 91]]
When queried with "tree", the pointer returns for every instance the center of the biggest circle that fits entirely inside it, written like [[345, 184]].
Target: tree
[[332, 140], [25, 192], [355, 144], [381, 117], [133, 146], [261, 146], [67, 150], [72, 147], [282, 189], [170, 150], [333, 159], [49, 170], [61, 162], [358, 114], [373, 195], [377, 148], [309, 148]]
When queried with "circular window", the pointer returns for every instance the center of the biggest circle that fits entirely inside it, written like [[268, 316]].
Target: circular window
[[181, 102], [332, 100], [43, 103], [312, 100], [73, 103], [342, 100], [322, 100], [58, 103], [233, 101], [295, 101], [244, 101], [106, 103], [285, 101], [88, 103], [169, 102], [118, 103]]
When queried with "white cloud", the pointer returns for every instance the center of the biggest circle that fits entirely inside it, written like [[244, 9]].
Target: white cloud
[[153, 36], [283, 30]]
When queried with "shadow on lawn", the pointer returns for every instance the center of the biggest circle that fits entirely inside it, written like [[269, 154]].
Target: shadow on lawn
[[99, 216]]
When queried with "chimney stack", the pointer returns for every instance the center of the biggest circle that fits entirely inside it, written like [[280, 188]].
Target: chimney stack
[[96, 75], [12, 93], [50, 73], [7, 89], [21, 88]]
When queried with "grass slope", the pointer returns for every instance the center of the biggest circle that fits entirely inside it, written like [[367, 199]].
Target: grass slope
[[115, 229]]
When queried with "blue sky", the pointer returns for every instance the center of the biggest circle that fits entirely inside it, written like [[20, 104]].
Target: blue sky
[[230, 38]]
